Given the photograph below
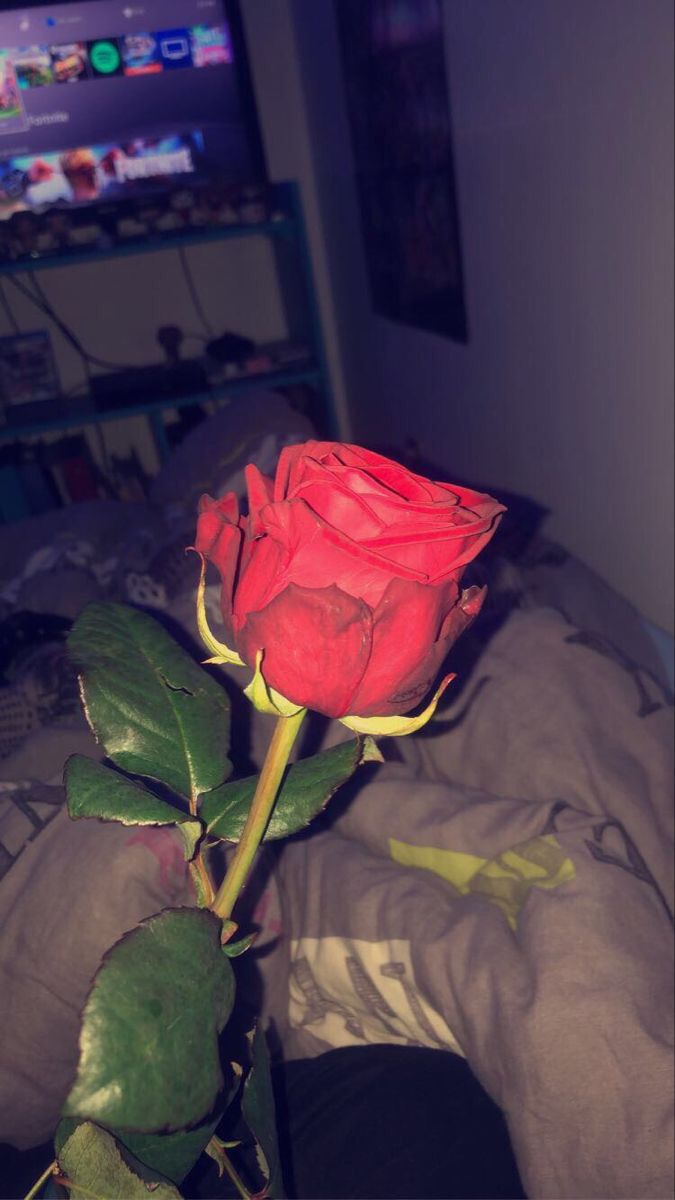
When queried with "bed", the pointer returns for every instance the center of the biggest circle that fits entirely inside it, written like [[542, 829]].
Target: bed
[[509, 868]]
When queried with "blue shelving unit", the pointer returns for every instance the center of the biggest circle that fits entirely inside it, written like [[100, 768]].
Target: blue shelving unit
[[147, 245], [288, 235]]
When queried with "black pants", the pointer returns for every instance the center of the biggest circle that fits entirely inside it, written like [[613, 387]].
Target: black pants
[[377, 1122], [392, 1122]]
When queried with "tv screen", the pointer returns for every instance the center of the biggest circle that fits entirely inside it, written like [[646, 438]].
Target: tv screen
[[110, 100]]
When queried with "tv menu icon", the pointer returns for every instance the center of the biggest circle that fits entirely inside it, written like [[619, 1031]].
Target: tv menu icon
[[174, 48], [140, 54], [210, 45], [12, 112], [33, 66], [69, 62], [105, 59]]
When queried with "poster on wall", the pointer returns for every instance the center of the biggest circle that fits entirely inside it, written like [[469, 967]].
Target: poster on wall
[[393, 58]]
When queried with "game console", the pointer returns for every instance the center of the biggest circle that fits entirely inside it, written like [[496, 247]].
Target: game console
[[142, 385]]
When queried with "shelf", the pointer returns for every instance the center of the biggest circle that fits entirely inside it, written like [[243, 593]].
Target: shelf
[[73, 417], [282, 228], [291, 260]]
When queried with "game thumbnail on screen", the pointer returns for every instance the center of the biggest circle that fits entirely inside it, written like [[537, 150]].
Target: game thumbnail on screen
[[85, 174], [83, 80]]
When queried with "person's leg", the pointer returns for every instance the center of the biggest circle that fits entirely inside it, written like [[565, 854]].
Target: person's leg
[[371, 1122], [391, 1122]]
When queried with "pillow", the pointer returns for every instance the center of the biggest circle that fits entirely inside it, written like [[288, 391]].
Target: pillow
[[252, 428]]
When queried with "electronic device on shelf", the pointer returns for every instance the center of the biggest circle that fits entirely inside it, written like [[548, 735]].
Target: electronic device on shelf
[[28, 375], [105, 104], [142, 385]]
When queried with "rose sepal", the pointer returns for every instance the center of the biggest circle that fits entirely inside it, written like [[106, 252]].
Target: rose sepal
[[265, 698], [397, 726], [220, 652]]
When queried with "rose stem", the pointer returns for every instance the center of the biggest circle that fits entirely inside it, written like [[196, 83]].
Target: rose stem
[[229, 1167], [285, 733], [51, 1170], [198, 869]]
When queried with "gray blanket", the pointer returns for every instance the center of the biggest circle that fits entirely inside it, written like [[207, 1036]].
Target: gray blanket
[[503, 890], [509, 898]]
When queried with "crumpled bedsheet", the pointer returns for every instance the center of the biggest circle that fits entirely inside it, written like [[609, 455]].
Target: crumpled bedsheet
[[504, 890], [507, 894]]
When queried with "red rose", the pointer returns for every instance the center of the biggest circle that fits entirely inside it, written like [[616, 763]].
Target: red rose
[[346, 574]]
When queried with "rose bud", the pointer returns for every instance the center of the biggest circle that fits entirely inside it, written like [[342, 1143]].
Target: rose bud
[[346, 575]]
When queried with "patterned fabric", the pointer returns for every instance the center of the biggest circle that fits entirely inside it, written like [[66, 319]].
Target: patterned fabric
[[506, 880], [54, 565], [509, 879], [39, 682], [510, 895], [69, 890]]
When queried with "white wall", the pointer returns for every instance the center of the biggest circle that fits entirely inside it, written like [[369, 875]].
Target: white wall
[[271, 35], [563, 130]]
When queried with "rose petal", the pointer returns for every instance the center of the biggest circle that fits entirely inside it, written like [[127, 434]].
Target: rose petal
[[261, 576], [286, 466], [430, 530], [469, 499], [296, 464], [375, 467], [405, 654], [213, 514], [438, 552], [318, 555], [219, 540], [470, 549], [331, 498], [260, 490], [387, 478], [316, 645], [462, 614]]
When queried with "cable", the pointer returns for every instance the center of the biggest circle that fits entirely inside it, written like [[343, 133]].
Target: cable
[[99, 434], [37, 286], [91, 359], [8, 309], [44, 308], [48, 311], [194, 294], [40, 300]]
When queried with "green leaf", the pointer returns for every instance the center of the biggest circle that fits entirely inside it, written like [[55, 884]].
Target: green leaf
[[236, 949], [149, 1057], [94, 790], [257, 1109], [171, 1154], [152, 708], [175, 1154], [307, 787], [65, 1128], [95, 1169]]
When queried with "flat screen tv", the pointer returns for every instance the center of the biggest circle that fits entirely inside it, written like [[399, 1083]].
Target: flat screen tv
[[115, 99]]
